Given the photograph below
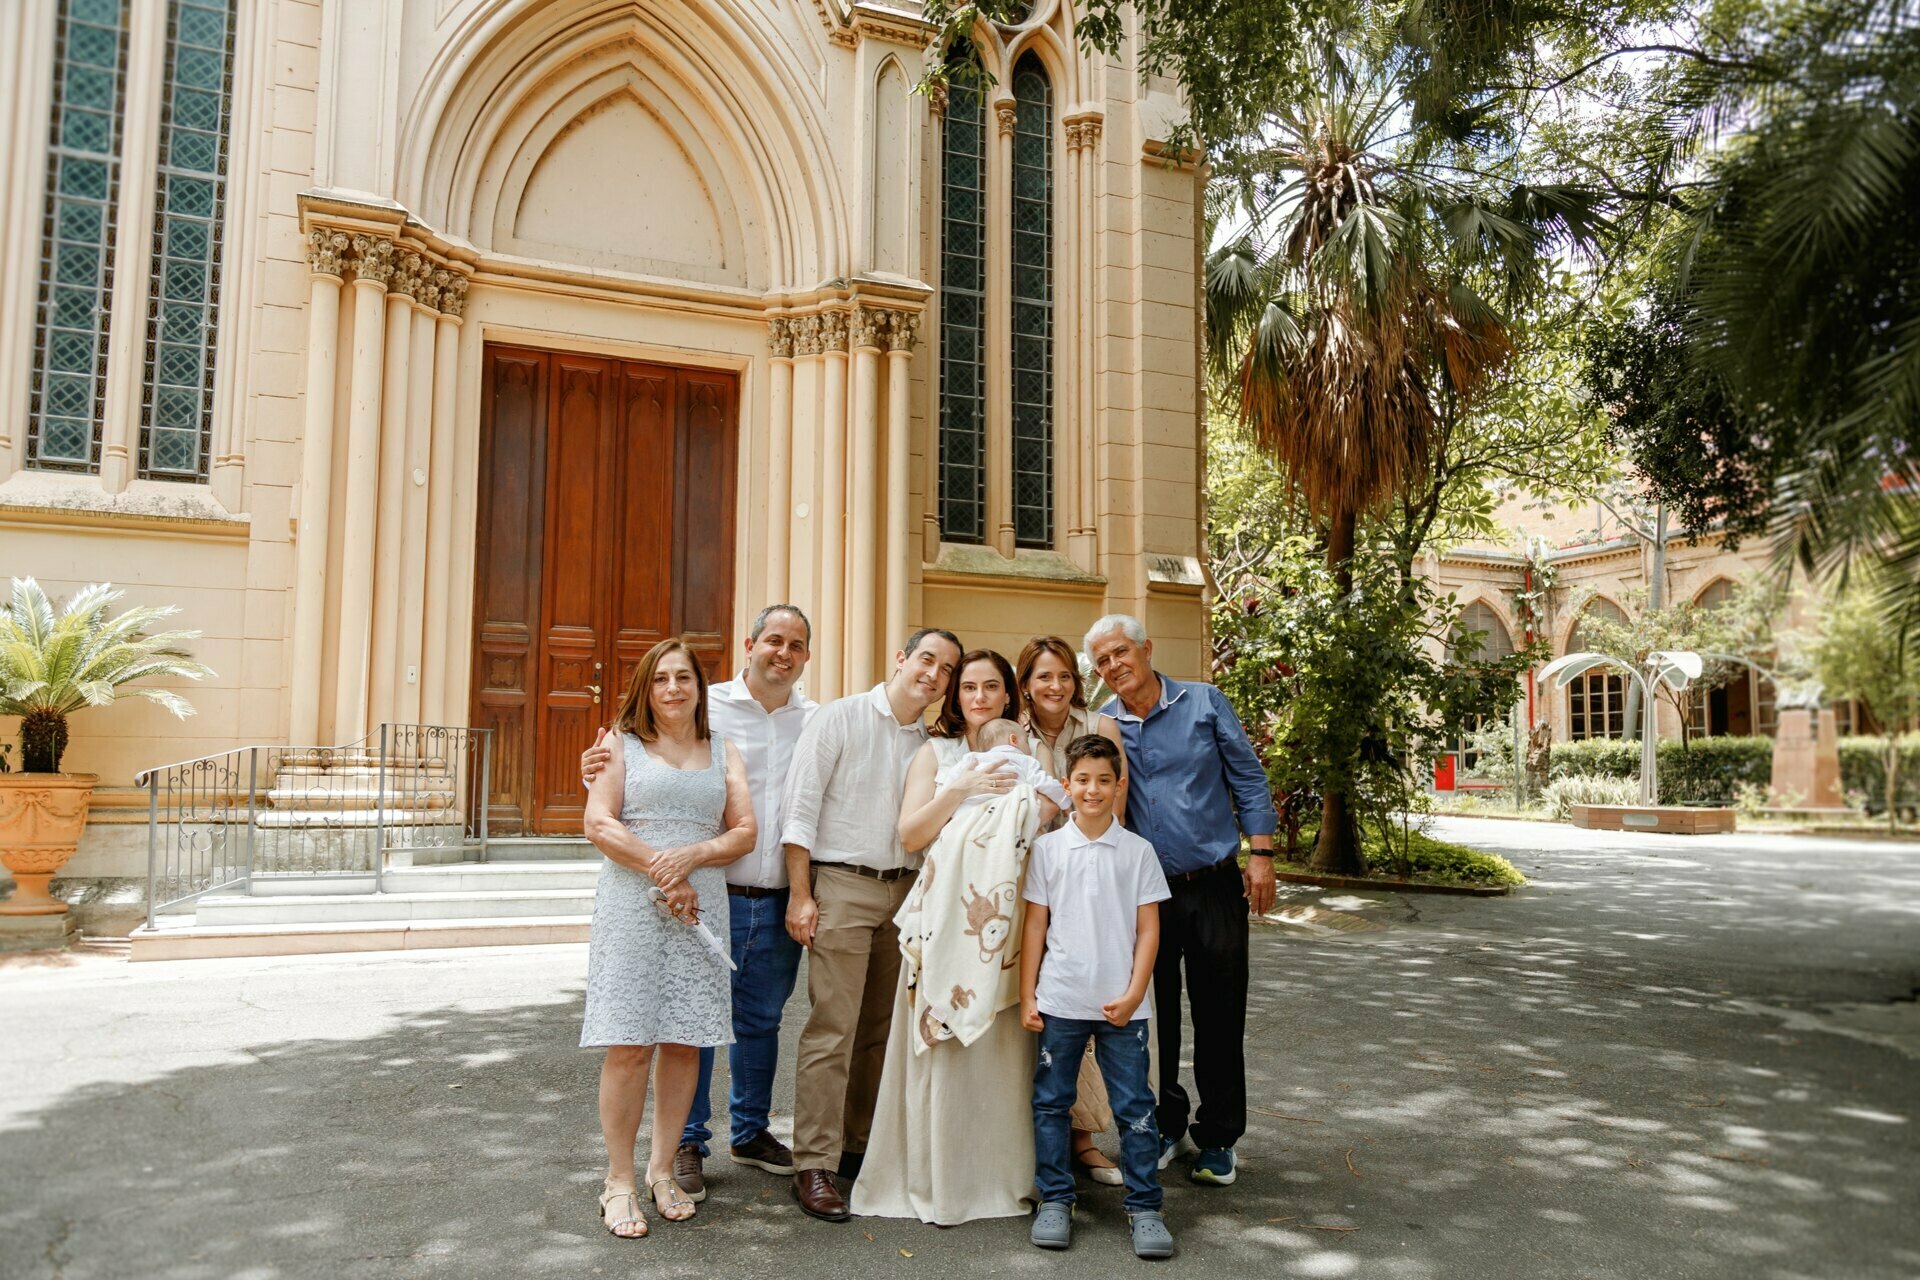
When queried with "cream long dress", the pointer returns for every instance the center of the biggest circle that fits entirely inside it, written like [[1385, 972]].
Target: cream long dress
[[952, 1136]]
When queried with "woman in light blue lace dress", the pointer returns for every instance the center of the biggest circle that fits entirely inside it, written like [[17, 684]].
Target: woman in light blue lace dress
[[670, 811]]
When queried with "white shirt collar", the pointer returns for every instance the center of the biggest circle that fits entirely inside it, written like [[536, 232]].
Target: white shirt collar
[[1080, 839], [736, 690]]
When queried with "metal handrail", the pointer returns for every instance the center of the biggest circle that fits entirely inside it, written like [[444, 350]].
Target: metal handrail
[[221, 820]]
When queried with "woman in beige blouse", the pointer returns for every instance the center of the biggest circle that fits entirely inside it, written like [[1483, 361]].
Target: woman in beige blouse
[[1056, 713]]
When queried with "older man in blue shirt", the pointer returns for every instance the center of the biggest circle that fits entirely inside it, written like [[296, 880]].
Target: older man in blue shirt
[[1194, 786]]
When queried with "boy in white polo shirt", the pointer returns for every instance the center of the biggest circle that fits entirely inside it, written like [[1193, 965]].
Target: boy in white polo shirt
[[1086, 966]]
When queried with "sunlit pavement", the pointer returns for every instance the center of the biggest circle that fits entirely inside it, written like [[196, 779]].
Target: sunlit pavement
[[1665, 1057]]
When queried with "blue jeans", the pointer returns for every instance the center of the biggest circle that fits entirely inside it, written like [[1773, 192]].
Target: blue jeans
[[1122, 1055], [769, 961]]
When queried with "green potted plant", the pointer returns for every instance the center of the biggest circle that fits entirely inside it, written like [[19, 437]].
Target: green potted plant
[[52, 665]]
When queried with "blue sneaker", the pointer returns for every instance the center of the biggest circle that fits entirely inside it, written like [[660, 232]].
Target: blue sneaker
[[1171, 1147], [1215, 1165]]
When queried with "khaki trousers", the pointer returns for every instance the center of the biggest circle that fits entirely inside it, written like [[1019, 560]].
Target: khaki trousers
[[852, 969]]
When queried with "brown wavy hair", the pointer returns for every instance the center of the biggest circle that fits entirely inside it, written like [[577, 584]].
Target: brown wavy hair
[[1039, 647], [953, 720], [636, 708]]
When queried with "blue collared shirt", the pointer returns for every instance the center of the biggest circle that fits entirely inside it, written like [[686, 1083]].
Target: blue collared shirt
[[1194, 783]]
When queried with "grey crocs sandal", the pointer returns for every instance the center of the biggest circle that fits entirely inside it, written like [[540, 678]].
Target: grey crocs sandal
[[1053, 1225], [1151, 1239]]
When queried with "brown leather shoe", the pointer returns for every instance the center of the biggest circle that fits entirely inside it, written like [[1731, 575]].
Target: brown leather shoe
[[818, 1197], [690, 1172]]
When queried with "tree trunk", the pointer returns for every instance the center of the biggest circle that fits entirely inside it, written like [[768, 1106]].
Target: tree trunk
[[1893, 775], [1337, 850]]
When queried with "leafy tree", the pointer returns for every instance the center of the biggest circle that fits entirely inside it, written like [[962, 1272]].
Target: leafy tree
[[1857, 656]]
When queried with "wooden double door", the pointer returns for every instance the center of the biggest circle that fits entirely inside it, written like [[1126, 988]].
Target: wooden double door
[[605, 525]]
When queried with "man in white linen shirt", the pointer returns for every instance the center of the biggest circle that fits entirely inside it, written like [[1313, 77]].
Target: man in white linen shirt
[[849, 875], [761, 713]]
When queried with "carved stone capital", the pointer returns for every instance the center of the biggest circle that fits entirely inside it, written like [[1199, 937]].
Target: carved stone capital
[[833, 331], [432, 280], [904, 333], [780, 337], [453, 295], [373, 259], [937, 99], [805, 333], [1007, 113], [410, 271], [327, 251], [871, 326], [1083, 133]]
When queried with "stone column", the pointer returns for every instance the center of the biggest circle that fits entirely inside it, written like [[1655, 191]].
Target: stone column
[[902, 336], [326, 250], [373, 268], [383, 701], [999, 354], [831, 626], [1082, 540], [803, 555], [437, 683], [779, 453], [411, 566], [863, 523]]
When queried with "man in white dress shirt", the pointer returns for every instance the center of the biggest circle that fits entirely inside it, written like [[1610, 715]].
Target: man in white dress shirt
[[850, 874], [761, 713]]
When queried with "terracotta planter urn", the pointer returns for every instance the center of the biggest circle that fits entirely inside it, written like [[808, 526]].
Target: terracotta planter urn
[[41, 818]]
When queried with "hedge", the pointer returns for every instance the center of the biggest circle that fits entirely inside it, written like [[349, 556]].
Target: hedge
[[1704, 771], [1863, 768]]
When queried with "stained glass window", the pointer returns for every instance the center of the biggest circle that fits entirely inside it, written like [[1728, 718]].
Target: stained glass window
[[1032, 305], [183, 297], [963, 316], [76, 267]]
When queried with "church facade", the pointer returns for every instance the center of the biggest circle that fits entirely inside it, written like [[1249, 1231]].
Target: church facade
[[437, 357]]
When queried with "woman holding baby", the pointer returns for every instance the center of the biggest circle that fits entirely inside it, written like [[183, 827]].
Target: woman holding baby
[[952, 1136]]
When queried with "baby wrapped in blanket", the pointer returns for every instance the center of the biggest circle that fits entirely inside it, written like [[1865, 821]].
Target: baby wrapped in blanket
[[960, 927]]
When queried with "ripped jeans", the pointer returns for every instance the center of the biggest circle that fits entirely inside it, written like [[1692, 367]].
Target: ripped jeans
[[1122, 1055]]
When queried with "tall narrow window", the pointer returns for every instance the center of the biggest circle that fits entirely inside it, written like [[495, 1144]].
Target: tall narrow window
[[76, 269], [963, 316], [1032, 305], [1597, 699], [189, 198]]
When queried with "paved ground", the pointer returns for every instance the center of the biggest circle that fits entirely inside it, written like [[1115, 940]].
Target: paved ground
[[1665, 1058]]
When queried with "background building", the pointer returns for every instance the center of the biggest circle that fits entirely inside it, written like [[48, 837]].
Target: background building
[[436, 357]]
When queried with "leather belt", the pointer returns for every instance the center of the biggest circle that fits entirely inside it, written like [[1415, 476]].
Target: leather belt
[[752, 891], [888, 876], [1229, 861]]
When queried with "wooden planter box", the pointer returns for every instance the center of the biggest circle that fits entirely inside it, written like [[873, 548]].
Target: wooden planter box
[[1667, 819]]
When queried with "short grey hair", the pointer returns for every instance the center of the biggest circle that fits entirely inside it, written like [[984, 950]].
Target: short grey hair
[[1125, 623]]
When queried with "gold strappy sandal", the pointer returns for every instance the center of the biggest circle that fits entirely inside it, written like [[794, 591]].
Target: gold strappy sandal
[[677, 1200], [615, 1220]]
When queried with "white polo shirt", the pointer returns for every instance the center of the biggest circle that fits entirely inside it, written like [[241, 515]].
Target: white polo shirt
[[765, 740], [1092, 890]]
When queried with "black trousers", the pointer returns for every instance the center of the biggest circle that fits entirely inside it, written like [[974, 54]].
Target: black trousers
[[1203, 929]]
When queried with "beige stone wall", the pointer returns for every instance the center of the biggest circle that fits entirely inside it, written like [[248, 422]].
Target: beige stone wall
[[692, 184]]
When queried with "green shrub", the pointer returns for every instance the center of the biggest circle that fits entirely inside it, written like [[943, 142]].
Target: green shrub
[[1712, 770], [1431, 859], [1595, 758], [1563, 793], [1705, 771], [1863, 769]]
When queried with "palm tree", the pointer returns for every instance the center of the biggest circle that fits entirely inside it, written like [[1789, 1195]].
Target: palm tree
[[1347, 311], [52, 666]]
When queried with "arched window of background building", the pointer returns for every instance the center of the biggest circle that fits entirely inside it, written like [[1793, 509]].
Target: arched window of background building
[[1597, 699], [963, 314], [1032, 278], [1742, 706], [1495, 642]]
